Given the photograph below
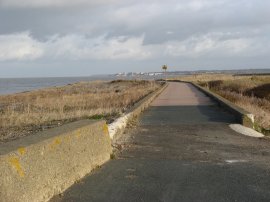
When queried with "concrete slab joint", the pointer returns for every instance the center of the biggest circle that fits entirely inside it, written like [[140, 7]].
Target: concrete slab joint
[[35, 168]]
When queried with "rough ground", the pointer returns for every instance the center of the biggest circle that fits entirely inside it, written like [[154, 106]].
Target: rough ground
[[181, 150]]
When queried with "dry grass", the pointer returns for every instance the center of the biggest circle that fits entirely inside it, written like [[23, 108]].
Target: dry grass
[[25, 113], [206, 77], [251, 93]]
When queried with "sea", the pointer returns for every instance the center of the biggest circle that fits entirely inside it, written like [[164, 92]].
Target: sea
[[17, 85]]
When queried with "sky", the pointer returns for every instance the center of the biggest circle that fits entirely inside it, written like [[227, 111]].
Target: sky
[[85, 37]]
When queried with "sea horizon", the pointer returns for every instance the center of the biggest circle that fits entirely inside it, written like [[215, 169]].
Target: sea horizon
[[25, 84]]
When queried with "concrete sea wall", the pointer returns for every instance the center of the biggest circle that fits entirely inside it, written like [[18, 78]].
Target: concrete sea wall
[[35, 168]]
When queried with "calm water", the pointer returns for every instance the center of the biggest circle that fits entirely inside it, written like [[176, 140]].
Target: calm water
[[15, 85]]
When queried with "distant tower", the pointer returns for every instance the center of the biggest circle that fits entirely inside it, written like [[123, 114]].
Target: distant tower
[[165, 67]]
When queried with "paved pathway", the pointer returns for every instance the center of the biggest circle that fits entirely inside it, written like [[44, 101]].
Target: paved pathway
[[182, 150], [179, 94]]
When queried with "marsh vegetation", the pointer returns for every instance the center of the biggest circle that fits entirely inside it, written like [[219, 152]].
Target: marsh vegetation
[[22, 114]]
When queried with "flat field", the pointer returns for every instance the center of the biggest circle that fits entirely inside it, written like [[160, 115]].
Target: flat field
[[22, 114], [250, 92]]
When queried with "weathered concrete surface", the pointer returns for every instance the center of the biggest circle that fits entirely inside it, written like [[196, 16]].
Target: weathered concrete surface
[[179, 94], [242, 116], [181, 153], [245, 130], [35, 168], [118, 126]]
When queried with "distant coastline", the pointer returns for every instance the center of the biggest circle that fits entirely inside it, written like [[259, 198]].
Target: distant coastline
[[17, 85]]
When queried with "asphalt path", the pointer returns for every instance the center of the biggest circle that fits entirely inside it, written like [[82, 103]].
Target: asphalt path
[[182, 149]]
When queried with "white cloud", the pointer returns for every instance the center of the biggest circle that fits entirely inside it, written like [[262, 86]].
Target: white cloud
[[80, 47], [20, 46], [134, 16], [194, 5], [188, 33], [215, 45], [169, 32], [197, 5], [52, 3]]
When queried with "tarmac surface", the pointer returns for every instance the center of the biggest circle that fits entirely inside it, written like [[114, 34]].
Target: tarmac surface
[[182, 149]]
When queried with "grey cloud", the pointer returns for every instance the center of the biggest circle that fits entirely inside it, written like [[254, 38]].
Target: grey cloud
[[52, 3], [162, 30], [153, 19]]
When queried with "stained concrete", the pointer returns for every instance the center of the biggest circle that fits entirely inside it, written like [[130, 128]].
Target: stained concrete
[[181, 152], [117, 128], [36, 168]]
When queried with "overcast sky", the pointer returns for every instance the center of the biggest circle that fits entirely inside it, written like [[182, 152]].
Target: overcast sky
[[85, 37]]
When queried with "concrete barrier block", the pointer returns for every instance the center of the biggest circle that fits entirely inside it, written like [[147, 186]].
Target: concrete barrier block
[[35, 168]]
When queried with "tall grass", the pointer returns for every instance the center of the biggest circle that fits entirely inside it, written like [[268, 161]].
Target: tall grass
[[25, 113]]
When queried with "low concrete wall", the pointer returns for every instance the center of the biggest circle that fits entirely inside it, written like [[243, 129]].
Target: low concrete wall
[[118, 126], [35, 168], [243, 117]]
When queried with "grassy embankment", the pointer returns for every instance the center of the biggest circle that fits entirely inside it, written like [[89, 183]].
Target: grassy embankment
[[26, 113], [251, 93]]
